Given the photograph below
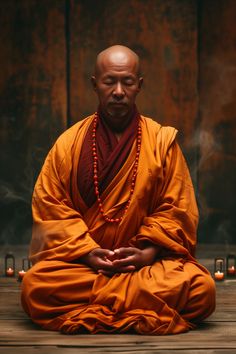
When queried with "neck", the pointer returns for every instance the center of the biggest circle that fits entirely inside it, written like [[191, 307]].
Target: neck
[[120, 129]]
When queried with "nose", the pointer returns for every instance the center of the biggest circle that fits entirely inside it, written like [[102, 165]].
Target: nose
[[118, 91]]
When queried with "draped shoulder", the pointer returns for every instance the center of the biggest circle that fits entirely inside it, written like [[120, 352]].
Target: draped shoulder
[[160, 137], [58, 227], [66, 140]]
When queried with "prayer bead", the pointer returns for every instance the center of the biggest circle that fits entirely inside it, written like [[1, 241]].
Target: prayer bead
[[95, 171]]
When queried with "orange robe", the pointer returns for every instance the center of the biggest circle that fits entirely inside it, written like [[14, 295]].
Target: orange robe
[[170, 296]]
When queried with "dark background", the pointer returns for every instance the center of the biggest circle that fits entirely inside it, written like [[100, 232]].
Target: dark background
[[188, 51]]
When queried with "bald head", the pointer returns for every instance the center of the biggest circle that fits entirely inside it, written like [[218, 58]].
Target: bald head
[[120, 56], [117, 82]]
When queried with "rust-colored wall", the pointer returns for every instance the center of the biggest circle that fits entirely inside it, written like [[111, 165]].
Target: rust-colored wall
[[217, 121], [47, 52], [32, 103]]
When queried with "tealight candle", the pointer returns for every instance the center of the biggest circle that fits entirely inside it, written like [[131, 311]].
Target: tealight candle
[[231, 270], [10, 272], [219, 275], [21, 274], [231, 265], [9, 265], [219, 271]]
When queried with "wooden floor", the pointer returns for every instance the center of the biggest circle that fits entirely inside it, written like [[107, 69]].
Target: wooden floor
[[19, 335]]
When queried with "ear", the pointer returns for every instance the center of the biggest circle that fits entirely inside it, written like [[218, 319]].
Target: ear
[[140, 83], [94, 83]]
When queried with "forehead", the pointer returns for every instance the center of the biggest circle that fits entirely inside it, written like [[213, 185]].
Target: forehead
[[117, 63]]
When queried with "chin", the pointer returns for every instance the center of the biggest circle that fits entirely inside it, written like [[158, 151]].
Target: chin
[[119, 113], [117, 119]]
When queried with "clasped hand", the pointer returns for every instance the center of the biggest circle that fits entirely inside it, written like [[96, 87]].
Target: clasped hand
[[121, 260]]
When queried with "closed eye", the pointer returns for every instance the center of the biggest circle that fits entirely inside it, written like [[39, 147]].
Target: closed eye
[[108, 82], [129, 82]]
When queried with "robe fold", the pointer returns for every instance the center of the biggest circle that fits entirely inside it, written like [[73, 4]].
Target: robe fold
[[61, 293]]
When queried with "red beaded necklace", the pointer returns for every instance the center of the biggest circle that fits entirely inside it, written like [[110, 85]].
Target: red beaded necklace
[[95, 171]]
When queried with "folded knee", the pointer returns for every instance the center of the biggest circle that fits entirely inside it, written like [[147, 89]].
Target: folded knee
[[201, 301], [207, 294]]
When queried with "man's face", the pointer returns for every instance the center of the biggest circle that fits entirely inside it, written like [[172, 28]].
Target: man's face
[[117, 84]]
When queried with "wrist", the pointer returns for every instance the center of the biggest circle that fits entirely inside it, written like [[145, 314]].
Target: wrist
[[152, 249], [150, 254]]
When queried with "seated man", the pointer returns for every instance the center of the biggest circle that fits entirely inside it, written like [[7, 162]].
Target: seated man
[[115, 221]]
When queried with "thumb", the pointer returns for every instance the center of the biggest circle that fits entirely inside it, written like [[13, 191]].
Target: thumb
[[108, 253]]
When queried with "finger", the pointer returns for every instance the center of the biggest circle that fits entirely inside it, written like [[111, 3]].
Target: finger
[[104, 264], [124, 261], [111, 257], [125, 251], [102, 252]]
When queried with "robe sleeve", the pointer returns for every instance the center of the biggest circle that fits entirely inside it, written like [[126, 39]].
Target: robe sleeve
[[173, 223], [59, 231]]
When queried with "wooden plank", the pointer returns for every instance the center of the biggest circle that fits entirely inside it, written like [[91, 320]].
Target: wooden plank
[[210, 336], [10, 306], [63, 350]]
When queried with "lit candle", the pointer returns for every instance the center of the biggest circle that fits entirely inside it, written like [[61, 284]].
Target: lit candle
[[231, 264], [10, 272], [9, 265], [231, 270], [219, 275], [21, 274]]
